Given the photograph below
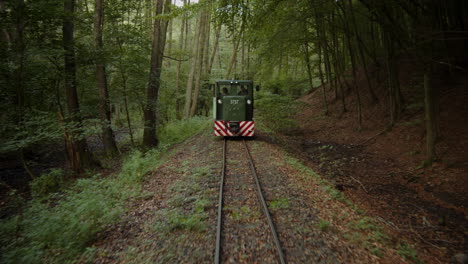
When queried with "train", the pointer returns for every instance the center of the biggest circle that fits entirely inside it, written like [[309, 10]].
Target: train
[[233, 108]]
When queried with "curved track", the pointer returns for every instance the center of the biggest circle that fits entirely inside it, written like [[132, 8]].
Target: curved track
[[220, 223]]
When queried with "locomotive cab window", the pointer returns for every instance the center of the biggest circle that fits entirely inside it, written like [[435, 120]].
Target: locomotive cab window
[[233, 89]]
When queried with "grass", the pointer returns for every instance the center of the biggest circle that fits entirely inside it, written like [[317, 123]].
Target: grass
[[324, 225], [274, 112], [179, 130], [280, 203], [187, 204], [408, 253], [58, 225]]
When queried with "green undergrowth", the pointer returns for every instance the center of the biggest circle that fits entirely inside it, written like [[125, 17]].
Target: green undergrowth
[[187, 204], [58, 225], [179, 130], [185, 216], [409, 253], [274, 112]]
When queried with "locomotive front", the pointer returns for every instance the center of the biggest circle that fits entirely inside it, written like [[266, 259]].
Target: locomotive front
[[233, 108]]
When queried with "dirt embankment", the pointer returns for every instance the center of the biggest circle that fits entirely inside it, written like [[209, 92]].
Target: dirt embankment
[[382, 170]]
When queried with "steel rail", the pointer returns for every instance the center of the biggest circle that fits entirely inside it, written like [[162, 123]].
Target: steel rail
[[265, 207], [217, 259], [220, 208]]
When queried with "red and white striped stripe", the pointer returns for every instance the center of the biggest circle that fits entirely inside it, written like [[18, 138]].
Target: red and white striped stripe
[[247, 128], [221, 128]]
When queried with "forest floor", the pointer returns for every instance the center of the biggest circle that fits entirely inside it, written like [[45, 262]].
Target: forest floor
[[176, 222], [382, 170]]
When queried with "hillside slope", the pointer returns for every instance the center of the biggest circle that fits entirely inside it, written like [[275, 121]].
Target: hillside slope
[[381, 168]]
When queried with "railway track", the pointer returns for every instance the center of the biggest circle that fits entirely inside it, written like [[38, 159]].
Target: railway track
[[243, 235]]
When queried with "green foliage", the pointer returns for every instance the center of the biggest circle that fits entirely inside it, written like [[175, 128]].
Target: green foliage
[[179, 130], [408, 253], [36, 127], [58, 228], [48, 182], [365, 223], [275, 111], [60, 233], [176, 220], [376, 251], [280, 203], [137, 165], [324, 225], [285, 86]]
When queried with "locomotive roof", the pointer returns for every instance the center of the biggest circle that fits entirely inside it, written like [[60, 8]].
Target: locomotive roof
[[234, 81]]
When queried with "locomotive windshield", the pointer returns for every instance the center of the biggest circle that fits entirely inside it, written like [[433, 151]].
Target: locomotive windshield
[[233, 89]]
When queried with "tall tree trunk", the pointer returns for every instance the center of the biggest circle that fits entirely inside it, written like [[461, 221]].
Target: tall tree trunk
[[201, 45], [154, 83], [359, 45], [104, 106], [431, 130], [80, 157], [353, 65], [179, 65], [394, 95], [215, 48], [321, 45], [187, 27], [234, 53], [322, 82], [206, 55], [307, 62], [188, 91]]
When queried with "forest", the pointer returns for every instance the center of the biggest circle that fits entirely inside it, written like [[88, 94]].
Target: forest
[[94, 88]]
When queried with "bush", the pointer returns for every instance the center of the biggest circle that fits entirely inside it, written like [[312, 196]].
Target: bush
[[286, 86], [275, 111], [60, 233], [58, 228], [179, 130], [48, 182]]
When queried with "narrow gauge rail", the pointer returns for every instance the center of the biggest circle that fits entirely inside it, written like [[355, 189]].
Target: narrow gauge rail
[[261, 199]]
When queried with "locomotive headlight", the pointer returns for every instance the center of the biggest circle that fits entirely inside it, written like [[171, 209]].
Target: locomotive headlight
[[219, 101], [248, 101]]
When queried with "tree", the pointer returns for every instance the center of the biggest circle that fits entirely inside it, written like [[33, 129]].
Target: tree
[[154, 83], [200, 54], [104, 106], [193, 58], [78, 154]]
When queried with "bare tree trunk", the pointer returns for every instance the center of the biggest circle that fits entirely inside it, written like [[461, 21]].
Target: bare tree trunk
[[234, 54], [321, 45], [353, 65], [104, 107], [169, 44], [307, 62], [80, 157], [325, 104], [243, 59], [187, 27], [361, 53], [188, 92], [395, 97], [431, 131], [201, 45], [154, 83], [206, 55], [179, 65], [215, 48]]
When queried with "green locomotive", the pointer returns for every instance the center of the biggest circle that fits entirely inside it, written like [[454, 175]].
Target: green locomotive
[[233, 107]]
